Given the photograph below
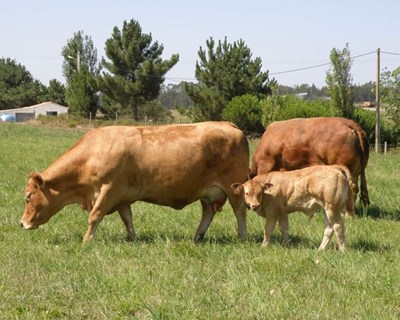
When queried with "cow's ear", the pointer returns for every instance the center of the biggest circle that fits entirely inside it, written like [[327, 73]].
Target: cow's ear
[[38, 179], [266, 186], [237, 188]]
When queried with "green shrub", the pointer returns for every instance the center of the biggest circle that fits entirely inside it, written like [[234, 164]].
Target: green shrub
[[277, 108], [245, 111], [366, 119]]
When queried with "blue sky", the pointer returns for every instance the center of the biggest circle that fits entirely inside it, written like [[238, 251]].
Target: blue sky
[[285, 34]]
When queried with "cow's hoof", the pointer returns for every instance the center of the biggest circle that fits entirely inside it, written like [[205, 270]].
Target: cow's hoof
[[199, 238]]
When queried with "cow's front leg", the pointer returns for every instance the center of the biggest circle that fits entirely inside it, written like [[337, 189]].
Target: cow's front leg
[[95, 217], [126, 216], [268, 229], [206, 217], [239, 208], [283, 221]]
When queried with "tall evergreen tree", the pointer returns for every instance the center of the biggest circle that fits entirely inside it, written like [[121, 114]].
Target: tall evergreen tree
[[80, 53], [81, 94], [339, 82], [224, 72], [17, 86], [80, 68], [135, 68], [56, 92]]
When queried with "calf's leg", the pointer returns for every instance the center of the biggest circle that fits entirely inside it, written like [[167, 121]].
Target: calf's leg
[[283, 221], [268, 229], [333, 224], [328, 232], [338, 227]]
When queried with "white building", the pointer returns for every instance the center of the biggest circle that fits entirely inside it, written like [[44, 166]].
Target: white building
[[32, 112]]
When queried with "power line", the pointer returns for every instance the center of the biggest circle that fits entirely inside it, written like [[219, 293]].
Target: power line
[[287, 71], [300, 69], [179, 79], [319, 65], [394, 54]]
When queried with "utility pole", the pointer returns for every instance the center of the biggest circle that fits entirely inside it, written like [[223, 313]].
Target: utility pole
[[377, 101], [78, 61]]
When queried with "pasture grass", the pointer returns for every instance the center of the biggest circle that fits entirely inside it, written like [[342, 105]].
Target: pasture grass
[[49, 274]]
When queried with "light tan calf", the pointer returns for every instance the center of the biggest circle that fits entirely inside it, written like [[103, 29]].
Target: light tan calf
[[275, 195]]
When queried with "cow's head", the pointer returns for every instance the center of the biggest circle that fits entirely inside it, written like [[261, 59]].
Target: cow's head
[[252, 191], [38, 207]]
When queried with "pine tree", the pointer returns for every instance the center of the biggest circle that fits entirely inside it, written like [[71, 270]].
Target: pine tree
[[80, 68], [224, 72], [135, 68], [81, 94], [17, 86]]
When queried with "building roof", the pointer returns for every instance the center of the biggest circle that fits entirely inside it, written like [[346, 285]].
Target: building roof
[[31, 108]]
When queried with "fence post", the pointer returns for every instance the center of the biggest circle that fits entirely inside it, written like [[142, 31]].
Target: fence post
[[385, 148]]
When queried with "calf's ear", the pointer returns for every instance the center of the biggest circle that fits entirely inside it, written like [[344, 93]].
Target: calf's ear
[[237, 188], [266, 186]]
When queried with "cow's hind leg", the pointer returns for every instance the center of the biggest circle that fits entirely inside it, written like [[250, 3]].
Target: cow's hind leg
[[126, 216], [206, 217], [239, 208]]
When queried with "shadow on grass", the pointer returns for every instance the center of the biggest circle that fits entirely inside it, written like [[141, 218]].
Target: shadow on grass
[[377, 213], [153, 237], [369, 246], [295, 241]]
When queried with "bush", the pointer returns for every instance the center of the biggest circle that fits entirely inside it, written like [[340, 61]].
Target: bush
[[245, 111], [366, 119], [277, 108]]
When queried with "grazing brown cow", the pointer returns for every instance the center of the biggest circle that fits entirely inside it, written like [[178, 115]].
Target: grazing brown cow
[[110, 168], [279, 193], [299, 143]]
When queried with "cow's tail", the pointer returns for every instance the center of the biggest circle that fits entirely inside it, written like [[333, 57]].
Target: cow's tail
[[364, 148], [351, 191]]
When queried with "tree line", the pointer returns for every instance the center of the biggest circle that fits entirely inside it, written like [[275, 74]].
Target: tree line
[[231, 84]]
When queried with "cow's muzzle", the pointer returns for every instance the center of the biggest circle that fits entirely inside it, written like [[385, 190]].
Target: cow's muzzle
[[27, 226]]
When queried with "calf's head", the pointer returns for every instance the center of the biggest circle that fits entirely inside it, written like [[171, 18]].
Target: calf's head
[[38, 207], [252, 191]]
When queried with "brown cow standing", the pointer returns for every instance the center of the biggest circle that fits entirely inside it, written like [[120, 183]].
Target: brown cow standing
[[298, 143], [275, 195], [110, 168]]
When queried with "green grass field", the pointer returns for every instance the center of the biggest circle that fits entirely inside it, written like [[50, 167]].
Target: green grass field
[[49, 274]]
